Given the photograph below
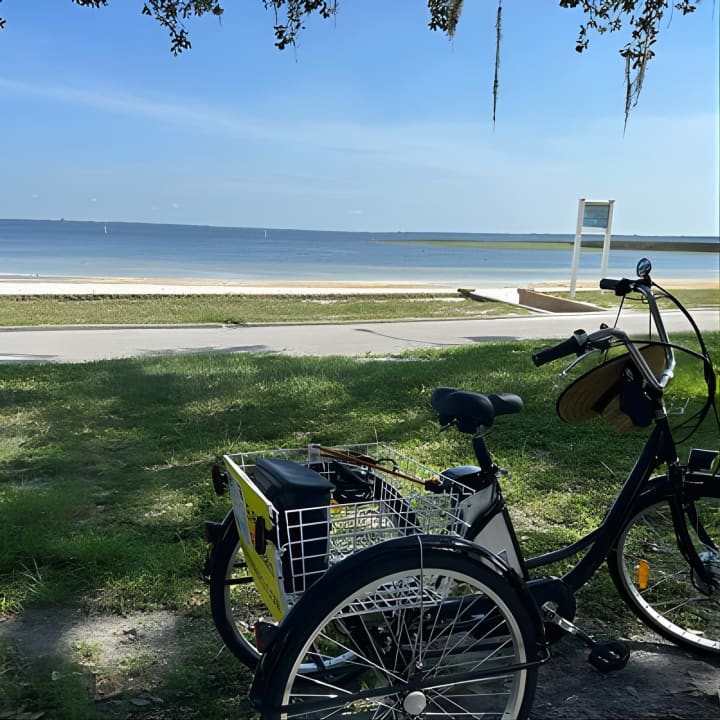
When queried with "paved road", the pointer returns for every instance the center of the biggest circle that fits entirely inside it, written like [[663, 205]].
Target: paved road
[[357, 339]]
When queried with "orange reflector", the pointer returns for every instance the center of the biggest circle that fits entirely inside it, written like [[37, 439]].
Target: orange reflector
[[643, 574]]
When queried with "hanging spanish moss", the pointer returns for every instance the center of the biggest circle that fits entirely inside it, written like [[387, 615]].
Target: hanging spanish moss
[[498, 36]]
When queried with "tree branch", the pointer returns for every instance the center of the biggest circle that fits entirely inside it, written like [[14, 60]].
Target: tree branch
[[642, 17]]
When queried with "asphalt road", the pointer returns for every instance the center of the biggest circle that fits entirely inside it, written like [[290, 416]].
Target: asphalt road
[[83, 344]]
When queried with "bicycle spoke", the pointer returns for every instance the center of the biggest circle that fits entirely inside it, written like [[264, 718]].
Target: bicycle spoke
[[420, 656], [666, 597]]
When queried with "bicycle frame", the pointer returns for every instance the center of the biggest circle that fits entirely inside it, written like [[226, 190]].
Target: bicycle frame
[[659, 448]]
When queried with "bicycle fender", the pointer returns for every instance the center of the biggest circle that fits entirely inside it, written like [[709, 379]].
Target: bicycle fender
[[480, 554], [227, 523], [463, 547], [215, 532]]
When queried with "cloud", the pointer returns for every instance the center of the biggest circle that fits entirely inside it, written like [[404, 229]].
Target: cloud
[[422, 144], [462, 150], [663, 171], [132, 105]]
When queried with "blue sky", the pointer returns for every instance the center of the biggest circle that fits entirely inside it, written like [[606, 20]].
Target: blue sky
[[372, 123]]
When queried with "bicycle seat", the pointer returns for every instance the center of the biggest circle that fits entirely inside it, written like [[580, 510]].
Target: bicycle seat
[[290, 485], [470, 410]]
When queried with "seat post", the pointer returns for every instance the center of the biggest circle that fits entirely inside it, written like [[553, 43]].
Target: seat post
[[482, 453]]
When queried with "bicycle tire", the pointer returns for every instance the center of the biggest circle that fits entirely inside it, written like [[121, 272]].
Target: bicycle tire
[[669, 600], [367, 635], [235, 604]]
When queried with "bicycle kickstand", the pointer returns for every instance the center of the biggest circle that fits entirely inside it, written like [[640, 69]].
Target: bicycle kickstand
[[605, 656]]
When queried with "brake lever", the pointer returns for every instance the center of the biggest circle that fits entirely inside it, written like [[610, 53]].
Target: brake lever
[[677, 406], [577, 360], [597, 346]]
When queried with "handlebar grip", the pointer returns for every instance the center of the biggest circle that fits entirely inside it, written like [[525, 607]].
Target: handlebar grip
[[573, 345], [621, 287]]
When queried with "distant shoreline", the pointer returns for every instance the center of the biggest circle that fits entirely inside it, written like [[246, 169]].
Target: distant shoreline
[[401, 235], [588, 244], [95, 252], [27, 285]]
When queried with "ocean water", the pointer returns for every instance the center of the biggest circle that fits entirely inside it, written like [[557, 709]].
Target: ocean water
[[143, 250]]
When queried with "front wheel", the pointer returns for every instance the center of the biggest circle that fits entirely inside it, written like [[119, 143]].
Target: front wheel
[[404, 631], [655, 580]]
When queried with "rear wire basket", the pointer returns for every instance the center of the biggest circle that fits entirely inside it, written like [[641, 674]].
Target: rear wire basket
[[310, 540]]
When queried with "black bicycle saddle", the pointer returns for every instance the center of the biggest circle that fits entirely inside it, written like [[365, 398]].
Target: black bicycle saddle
[[470, 410]]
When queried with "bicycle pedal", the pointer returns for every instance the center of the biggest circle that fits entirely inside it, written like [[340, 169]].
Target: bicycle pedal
[[609, 656]]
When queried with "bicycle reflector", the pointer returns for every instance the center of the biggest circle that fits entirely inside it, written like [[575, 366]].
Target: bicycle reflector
[[643, 574]]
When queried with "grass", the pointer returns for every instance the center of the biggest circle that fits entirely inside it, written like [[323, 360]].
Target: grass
[[104, 486], [32, 310], [241, 309], [691, 298]]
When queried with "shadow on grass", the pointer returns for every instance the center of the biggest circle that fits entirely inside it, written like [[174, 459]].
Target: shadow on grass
[[104, 469]]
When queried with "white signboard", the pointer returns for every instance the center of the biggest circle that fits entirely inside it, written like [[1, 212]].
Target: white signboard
[[593, 216]]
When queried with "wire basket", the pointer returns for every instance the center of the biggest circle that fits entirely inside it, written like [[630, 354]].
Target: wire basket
[[404, 501]]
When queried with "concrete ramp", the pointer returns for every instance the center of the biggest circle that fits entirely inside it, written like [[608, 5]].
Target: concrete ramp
[[550, 303], [529, 299]]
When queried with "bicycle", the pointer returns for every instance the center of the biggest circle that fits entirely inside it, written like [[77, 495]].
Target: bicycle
[[430, 623]]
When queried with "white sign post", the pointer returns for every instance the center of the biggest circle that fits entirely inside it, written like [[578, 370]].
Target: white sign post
[[593, 216]]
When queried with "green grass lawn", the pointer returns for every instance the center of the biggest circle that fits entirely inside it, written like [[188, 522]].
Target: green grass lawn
[[691, 298], [150, 309], [241, 309], [104, 485]]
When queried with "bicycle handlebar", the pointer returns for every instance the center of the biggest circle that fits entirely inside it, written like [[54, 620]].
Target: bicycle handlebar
[[581, 342], [575, 344], [621, 287]]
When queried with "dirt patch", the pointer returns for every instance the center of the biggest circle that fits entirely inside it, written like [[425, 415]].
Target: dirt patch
[[120, 660], [660, 681], [111, 639]]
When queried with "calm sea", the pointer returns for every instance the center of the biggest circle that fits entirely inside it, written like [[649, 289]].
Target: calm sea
[[92, 249]]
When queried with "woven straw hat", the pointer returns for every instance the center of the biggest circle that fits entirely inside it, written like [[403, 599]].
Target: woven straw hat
[[597, 392]]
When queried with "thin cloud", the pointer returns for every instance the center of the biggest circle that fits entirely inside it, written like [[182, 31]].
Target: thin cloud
[[134, 105], [426, 145]]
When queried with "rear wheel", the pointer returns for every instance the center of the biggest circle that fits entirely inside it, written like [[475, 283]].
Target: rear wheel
[[234, 600], [656, 581], [394, 638]]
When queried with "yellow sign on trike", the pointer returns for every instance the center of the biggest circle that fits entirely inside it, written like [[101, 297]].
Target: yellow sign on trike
[[252, 510]]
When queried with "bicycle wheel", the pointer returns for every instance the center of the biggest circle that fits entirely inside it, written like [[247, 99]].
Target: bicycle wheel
[[654, 579], [399, 633], [235, 603]]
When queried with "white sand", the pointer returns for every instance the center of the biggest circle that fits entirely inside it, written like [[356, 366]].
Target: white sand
[[27, 285]]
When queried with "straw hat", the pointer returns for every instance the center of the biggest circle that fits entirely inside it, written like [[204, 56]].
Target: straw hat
[[598, 392]]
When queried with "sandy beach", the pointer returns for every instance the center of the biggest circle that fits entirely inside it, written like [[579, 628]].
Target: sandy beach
[[50, 285]]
